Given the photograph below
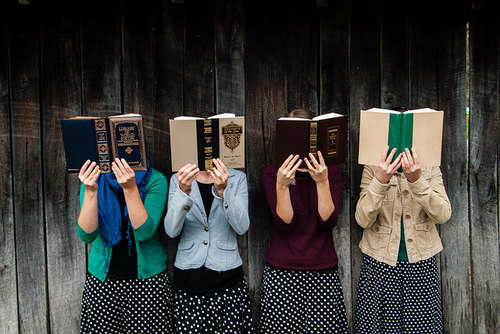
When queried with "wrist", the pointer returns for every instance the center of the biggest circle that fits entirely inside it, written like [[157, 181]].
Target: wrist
[[281, 187], [130, 189], [322, 183]]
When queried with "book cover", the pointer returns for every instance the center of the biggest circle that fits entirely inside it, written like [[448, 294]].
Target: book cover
[[198, 140], [326, 133], [420, 128], [102, 139]]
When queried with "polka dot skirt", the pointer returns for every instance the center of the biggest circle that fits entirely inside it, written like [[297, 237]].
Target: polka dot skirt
[[127, 306], [401, 299], [226, 312], [301, 302]]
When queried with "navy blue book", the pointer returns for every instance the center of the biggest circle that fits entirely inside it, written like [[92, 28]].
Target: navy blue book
[[102, 139]]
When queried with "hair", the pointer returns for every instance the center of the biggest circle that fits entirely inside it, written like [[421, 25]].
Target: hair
[[401, 109], [301, 113]]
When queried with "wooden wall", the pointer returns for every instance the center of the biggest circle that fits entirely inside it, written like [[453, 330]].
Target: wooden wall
[[164, 58]]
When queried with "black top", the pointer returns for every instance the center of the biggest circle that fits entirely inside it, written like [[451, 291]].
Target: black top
[[204, 280], [123, 263], [206, 196]]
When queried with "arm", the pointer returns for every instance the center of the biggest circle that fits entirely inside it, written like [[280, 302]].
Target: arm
[[333, 192], [88, 220], [179, 204]]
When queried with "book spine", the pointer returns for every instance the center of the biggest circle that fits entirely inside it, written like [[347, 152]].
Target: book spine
[[394, 140], [208, 139], [313, 139], [101, 127], [406, 131]]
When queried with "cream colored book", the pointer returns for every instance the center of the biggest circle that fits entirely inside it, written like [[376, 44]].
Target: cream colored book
[[419, 128], [198, 140]]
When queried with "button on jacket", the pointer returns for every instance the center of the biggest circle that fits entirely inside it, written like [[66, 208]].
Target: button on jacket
[[209, 241], [422, 204]]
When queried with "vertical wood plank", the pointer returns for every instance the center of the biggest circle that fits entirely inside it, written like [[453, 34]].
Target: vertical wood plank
[[364, 93], [483, 167], [334, 97], [199, 76], [302, 55], [265, 73], [8, 287], [27, 171], [454, 259], [61, 97]]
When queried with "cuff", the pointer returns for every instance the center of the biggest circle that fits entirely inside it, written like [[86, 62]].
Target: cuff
[[379, 188]]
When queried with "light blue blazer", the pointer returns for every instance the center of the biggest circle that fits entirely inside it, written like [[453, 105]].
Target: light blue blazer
[[208, 241]]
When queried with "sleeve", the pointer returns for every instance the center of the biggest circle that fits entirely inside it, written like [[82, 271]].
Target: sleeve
[[235, 203], [84, 236], [154, 203], [335, 181], [179, 205], [371, 198], [431, 195], [269, 182]]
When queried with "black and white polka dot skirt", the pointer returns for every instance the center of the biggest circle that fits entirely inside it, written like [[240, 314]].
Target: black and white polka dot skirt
[[226, 312], [301, 302], [401, 299], [127, 306]]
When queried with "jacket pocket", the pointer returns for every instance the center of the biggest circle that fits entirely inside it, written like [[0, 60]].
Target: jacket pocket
[[377, 237], [185, 245], [422, 235], [226, 245]]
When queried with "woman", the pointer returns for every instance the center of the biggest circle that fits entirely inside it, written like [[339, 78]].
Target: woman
[[127, 289], [301, 291], [399, 288], [208, 209]]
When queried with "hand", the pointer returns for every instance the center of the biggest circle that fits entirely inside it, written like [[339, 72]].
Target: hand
[[220, 175], [318, 172], [386, 169], [286, 173], [411, 165], [186, 175], [89, 174], [124, 174]]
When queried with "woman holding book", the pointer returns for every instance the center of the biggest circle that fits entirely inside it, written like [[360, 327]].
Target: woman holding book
[[399, 289], [127, 289], [301, 290], [208, 209]]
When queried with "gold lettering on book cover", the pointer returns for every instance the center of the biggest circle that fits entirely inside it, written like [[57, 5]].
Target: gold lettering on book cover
[[313, 139], [232, 135], [333, 145]]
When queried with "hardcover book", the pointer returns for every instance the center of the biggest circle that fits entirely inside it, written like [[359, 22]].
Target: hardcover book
[[326, 133], [419, 128], [198, 140], [102, 139]]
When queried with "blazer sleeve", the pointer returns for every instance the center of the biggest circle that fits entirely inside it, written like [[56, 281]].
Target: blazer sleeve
[[179, 205]]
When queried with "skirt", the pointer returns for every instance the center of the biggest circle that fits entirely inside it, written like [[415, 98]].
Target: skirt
[[401, 299], [225, 312], [127, 306], [301, 302]]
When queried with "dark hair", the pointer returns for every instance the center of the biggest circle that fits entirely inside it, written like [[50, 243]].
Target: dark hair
[[302, 113], [401, 109]]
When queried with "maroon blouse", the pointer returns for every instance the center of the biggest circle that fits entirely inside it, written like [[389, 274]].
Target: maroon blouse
[[306, 243]]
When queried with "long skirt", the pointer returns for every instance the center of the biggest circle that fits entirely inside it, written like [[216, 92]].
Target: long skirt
[[401, 299], [127, 306], [301, 302], [225, 312]]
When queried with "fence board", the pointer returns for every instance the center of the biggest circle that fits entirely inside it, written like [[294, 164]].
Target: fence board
[[483, 167], [334, 97], [61, 96], [8, 287], [27, 171]]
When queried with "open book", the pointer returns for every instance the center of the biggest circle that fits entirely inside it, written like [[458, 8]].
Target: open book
[[326, 133], [198, 140], [419, 128]]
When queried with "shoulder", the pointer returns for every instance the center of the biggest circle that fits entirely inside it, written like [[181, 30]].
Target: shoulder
[[156, 179], [270, 170], [237, 174]]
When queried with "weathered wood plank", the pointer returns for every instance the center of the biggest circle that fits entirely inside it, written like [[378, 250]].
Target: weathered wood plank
[[454, 259], [265, 96], [61, 97], [302, 55], [334, 97], [365, 93], [27, 171], [199, 68], [483, 167], [8, 287]]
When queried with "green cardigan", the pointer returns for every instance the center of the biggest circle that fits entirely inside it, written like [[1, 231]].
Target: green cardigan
[[151, 256]]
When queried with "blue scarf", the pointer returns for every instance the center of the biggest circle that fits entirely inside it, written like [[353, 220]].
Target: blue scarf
[[108, 205]]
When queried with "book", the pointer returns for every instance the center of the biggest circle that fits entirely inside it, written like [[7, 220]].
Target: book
[[419, 128], [198, 140], [326, 133], [102, 139]]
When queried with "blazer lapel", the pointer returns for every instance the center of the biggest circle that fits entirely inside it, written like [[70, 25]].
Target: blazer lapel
[[200, 212]]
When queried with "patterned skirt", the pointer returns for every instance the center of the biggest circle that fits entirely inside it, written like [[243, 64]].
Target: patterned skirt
[[226, 312], [127, 306], [301, 302], [401, 299]]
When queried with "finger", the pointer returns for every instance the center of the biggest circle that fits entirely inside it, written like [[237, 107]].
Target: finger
[[218, 166], [223, 166], [216, 172], [309, 166], [396, 162], [126, 166], [119, 164], [83, 169], [416, 160], [95, 174], [116, 170], [391, 155], [292, 162], [404, 162], [192, 174], [294, 169], [183, 168], [287, 161], [186, 169], [409, 157], [212, 175], [321, 160], [314, 161], [89, 170], [383, 158]]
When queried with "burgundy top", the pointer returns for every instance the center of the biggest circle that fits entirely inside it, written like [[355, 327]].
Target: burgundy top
[[306, 243]]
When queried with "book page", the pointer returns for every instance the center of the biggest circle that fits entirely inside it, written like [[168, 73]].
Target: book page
[[293, 119], [373, 136], [224, 115], [327, 116], [183, 143], [427, 137], [232, 141], [380, 110], [422, 110], [180, 118]]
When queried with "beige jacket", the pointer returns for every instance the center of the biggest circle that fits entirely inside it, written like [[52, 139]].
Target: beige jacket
[[424, 204]]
